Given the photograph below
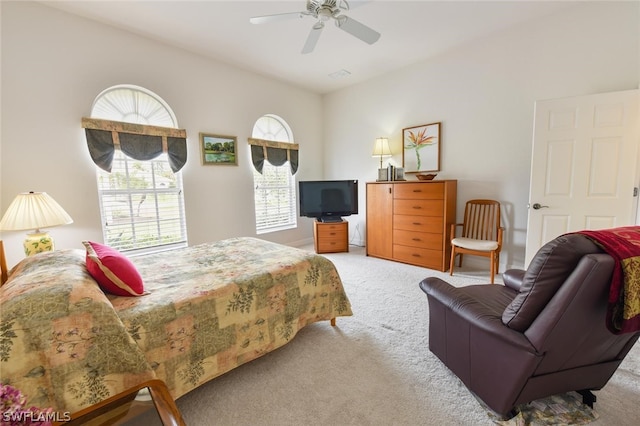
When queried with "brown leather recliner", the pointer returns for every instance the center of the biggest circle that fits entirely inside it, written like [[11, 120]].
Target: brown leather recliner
[[542, 333]]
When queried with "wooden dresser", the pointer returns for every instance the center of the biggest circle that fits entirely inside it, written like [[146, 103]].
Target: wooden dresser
[[331, 237], [409, 221]]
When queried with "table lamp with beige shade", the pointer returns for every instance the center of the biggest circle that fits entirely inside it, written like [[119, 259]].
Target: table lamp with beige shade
[[381, 149], [34, 210]]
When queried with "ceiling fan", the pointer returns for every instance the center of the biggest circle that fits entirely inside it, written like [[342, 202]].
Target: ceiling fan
[[323, 11]]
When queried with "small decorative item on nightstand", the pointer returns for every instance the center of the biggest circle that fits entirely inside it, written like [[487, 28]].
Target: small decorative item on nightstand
[[34, 210], [395, 173], [383, 175], [426, 176]]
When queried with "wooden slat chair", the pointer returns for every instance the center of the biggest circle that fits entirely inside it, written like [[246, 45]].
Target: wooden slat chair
[[3, 265], [481, 234]]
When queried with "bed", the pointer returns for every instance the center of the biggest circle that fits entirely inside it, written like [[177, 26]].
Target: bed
[[209, 308]]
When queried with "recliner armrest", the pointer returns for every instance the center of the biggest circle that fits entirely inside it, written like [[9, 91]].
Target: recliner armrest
[[472, 311], [512, 278]]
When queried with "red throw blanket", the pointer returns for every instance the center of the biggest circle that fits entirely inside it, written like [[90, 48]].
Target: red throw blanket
[[623, 244]]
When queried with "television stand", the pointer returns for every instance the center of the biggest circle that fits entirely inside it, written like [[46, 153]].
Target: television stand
[[331, 237], [330, 219]]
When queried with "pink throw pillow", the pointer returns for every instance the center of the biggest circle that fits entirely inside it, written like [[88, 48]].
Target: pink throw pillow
[[112, 270]]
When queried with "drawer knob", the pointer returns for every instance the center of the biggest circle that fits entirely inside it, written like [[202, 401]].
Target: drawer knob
[[417, 190], [415, 255], [417, 207], [417, 223], [416, 239]]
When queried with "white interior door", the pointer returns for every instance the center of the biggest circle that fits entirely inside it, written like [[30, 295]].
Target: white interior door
[[583, 166]]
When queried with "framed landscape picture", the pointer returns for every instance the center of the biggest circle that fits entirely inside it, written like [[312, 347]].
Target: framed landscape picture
[[217, 149], [421, 148]]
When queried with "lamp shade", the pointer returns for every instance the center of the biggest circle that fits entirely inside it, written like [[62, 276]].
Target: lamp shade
[[33, 210], [381, 148]]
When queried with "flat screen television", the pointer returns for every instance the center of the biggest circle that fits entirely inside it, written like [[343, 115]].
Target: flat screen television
[[328, 200]]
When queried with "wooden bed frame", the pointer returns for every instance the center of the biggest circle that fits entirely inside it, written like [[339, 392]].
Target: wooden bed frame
[[3, 265]]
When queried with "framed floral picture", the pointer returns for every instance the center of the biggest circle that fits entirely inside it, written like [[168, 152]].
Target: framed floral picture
[[421, 148], [218, 149]]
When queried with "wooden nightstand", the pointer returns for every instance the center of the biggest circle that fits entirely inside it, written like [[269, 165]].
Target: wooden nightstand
[[151, 400], [331, 237]]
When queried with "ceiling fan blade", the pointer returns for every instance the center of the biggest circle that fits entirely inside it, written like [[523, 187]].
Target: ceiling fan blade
[[313, 37], [274, 18], [351, 4], [357, 29], [343, 5]]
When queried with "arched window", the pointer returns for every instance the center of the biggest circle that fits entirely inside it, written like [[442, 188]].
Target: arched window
[[141, 202], [275, 187]]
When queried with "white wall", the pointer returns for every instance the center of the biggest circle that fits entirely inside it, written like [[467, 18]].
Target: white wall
[[484, 94], [53, 66]]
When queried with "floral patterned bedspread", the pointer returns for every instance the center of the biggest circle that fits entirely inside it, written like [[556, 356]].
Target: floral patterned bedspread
[[210, 308], [61, 342], [215, 306]]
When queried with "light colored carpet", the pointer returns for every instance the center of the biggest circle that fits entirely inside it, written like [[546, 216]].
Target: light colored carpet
[[373, 368]]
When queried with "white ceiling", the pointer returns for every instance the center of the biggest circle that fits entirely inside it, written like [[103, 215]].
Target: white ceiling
[[412, 31]]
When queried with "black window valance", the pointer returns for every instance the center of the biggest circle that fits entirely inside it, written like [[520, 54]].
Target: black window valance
[[276, 153], [139, 141]]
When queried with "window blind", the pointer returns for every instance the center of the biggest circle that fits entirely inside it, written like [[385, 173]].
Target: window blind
[[141, 204], [275, 199]]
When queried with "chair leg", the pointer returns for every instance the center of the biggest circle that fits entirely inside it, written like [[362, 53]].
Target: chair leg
[[460, 261], [453, 259], [493, 266]]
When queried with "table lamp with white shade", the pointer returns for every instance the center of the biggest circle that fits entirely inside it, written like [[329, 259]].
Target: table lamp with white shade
[[381, 149], [34, 210]]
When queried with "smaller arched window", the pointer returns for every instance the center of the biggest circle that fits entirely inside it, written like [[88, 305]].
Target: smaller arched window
[[141, 202], [275, 187]]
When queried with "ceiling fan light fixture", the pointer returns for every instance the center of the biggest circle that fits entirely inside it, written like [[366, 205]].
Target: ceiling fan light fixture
[[324, 14], [323, 11]]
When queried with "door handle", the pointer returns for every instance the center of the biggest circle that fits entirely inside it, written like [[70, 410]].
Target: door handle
[[538, 206]]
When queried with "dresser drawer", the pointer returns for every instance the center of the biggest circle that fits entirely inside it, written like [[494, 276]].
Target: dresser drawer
[[418, 223], [419, 191], [417, 239], [418, 256], [418, 207], [332, 246], [334, 237], [332, 231]]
